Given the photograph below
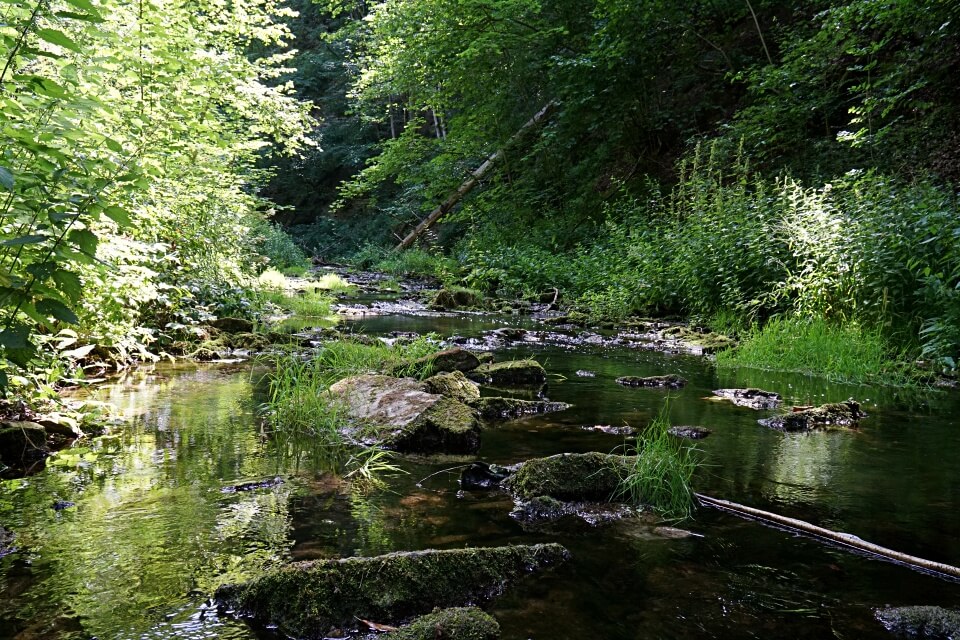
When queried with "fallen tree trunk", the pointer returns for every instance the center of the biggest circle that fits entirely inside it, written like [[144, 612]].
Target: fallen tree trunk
[[472, 180], [845, 539]]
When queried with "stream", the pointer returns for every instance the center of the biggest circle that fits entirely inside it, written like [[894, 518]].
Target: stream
[[127, 536]]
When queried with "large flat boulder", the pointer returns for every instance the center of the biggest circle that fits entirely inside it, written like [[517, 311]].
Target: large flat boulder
[[399, 414], [313, 599]]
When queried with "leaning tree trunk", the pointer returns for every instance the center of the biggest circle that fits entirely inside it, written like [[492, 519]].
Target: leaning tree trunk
[[845, 539], [472, 180]]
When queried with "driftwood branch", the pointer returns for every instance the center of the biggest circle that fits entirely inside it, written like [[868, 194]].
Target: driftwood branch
[[845, 539], [472, 180]]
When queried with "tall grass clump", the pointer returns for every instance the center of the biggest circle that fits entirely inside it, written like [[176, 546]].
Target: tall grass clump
[[312, 302], [845, 352], [662, 472]]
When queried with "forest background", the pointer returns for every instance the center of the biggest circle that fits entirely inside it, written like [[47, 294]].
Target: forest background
[[784, 171]]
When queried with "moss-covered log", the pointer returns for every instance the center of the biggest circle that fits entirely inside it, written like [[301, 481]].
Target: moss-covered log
[[310, 599], [459, 623]]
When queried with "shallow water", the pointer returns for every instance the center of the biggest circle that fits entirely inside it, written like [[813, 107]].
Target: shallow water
[[152, 531]]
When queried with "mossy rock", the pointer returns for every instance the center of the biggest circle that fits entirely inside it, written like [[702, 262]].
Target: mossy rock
[[497, 408], [702, 342], [455, 359], [922, 621], [457, 298], [837, 414], [751, 398], [22, 442], [514, 372], [669, 381], [399, 414], [589, 477], [458, 623], [311, 599], [453, 385]]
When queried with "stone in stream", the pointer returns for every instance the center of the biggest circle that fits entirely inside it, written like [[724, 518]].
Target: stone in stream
[[399, 414], [922, 621], [838, 414], [22, 442], [514, 372], [456, 298], [457, 623], [453, 385], [751, 398], [669, 381], [455, 359], [232, 325], [591, 477], [583, 373], [610, 430], [481, 475], [314, 599], [690, 433], [497, 408]]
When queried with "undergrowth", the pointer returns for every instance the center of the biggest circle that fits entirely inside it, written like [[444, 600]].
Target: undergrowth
[[845, 352]]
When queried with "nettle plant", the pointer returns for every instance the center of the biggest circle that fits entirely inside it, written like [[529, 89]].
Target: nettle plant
[[133, 126]]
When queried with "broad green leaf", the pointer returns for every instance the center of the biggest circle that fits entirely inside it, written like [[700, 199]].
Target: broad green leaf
[[6, 178], [84, 5], [55, 308], [59, 38], [22, 240], [85, 239], [42, 270], [119, 215], [85, 17], [113, 145], [16, 336], [69, 283]]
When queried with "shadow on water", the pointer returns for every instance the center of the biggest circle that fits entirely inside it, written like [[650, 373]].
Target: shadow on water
[[154, 527]]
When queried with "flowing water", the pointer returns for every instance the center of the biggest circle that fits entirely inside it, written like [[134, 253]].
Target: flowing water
[[155, 524]]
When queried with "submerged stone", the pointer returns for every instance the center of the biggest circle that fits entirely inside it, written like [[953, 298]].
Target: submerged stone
[[453, 385], [515, 372], [399, 414], [311, 599], [253, 486], [592, 477], [497, 408], [922, 621], [481, 475], [458, 623], [669, 381], [690, 433], [838, 414], [609, 429], [752, 398]]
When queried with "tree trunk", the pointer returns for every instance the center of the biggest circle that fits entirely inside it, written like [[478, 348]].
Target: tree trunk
[[472, 180], [845, 539]]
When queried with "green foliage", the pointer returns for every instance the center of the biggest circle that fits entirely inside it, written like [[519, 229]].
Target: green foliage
[[843, 353], [278, 247], [662, 471], [130, 137]]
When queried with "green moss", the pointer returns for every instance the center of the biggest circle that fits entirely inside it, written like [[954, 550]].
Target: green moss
[[309, 599], [460, 623], [457, 298], [448, 426], [453, 385], [514, 372], [838, 414], [593, 477], [705, 341], [455, 359], [923, 621]]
